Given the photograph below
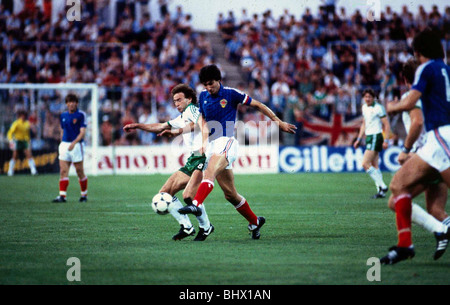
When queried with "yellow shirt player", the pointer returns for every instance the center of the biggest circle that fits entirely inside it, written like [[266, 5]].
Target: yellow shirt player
[[19, 139]]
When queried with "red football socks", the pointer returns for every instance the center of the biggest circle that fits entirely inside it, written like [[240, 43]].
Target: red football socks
[[203, 191], [83, 186], [244, 209], [206, 187], [63, 184], [403, 209]]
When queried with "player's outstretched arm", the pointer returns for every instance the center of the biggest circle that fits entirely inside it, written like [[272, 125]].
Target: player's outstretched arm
[[155, 127], [177, 131], [406, 104], [284, 126]]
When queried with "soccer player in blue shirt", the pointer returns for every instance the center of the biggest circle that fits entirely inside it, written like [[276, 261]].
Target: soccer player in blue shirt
[[71, 148], [432, 86], [218, 108]]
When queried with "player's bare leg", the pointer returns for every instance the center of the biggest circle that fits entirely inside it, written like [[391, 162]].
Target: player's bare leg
[[191, 188], [446, 176], [419, 188], [82, 179], [414, 172], [64, 167], [370, 158], [226, 182], [205, 226], [12, 162], [216, 164], [176, 182], [436, 197], [434, 203]]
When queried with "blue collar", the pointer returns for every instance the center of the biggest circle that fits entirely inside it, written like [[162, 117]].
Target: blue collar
[[219, 93]]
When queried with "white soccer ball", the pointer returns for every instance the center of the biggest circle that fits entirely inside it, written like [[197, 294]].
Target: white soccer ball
[[161, 203]]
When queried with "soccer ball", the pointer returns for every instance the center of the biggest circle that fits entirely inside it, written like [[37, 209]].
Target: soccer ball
[[161, 203]]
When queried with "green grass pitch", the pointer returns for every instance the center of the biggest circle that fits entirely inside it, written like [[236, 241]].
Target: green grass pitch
[[320, 229]]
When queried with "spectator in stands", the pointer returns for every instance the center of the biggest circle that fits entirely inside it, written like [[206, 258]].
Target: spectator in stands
[[163, 8], [278, 102], [331, 82], [318, 51], [342, 101], [228, 27], [184, 25], [233, 50], [366, 62]]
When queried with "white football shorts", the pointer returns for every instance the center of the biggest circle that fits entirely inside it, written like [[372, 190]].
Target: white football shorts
[[75, 155], [223, 146], [436, 151]]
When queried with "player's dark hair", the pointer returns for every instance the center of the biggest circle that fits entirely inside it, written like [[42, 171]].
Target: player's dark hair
[[71, 98], [428, 44], [370, 91], [208, 73], [409, 70], [187, 91], [22, 112]]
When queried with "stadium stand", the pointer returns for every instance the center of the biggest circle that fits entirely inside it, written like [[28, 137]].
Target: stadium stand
[[299, 64]]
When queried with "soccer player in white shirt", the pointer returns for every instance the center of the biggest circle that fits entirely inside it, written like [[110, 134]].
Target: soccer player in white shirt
[[190, 175], [375, 123]]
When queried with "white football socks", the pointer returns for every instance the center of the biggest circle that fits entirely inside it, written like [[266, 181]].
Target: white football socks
[[32, 166], [12, 163], [182, 219], [377, 177], [380, 178], [203, 220], [428, 222], [446, 221]]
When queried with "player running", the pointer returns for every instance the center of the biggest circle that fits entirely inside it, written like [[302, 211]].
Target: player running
[[375, 123], [218, 108], [435, 191], [432, 86], [19, 140], [71, 148], [190, 175]]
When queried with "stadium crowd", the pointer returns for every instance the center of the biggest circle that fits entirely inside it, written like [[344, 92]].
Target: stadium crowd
[[299, 64]]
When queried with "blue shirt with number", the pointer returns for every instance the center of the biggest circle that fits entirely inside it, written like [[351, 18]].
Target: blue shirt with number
[[220, 110], [432, 80], [71, 123]]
